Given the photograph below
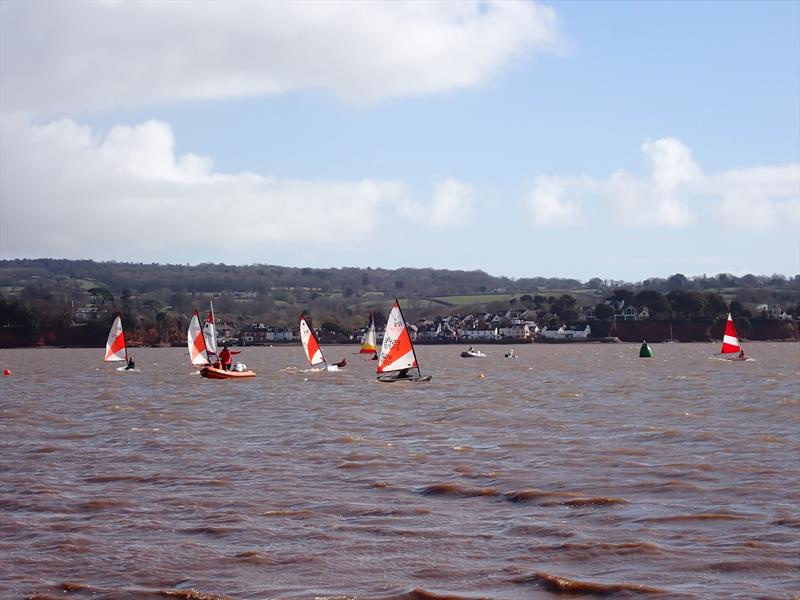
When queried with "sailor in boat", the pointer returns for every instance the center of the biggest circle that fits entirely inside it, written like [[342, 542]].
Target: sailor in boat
[[741, 353], [131, 364], [374, 356], [510, 354], [226, 358], [341, 364], [471, 349], [403, 374]]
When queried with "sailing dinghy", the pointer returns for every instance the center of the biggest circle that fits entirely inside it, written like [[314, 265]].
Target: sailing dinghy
[[210, 332], [198, 351], [369, 343], [116, 349], [730, 343], [313, 351], [397, 357], [198, 354]]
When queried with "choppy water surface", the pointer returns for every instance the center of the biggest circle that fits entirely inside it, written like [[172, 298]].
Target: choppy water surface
[[572, 471]]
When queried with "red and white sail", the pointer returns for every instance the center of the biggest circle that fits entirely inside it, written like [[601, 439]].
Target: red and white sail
[[310, 343], [369, 344], [397, 351], [115, 345], [210, 332], [197, 343], [730, 342]]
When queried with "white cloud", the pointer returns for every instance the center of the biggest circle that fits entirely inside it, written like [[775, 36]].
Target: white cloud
[[452, 205], [675, 193], [547, 205], [69, 191], [68, 55], [661, 199], [761, 197]]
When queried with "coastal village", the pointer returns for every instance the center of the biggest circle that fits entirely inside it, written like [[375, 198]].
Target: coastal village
[[70, 304], [509, 326]]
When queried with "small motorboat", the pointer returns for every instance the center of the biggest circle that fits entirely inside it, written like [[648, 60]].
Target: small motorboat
[[210, 372], [472, 354]]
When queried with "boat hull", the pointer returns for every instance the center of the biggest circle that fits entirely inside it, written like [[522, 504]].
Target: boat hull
[[405, 379], [466, 354], [214, 373]]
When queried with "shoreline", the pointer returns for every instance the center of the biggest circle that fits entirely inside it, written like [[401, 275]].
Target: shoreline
[[428, 343]]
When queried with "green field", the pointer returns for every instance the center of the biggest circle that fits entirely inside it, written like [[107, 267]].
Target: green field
[[447, 304], [582, 296]]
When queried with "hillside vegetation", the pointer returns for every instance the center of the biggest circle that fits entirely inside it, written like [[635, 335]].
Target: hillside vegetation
[[56, 295]]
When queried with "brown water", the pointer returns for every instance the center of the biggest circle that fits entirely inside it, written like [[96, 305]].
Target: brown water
[[573, 471]]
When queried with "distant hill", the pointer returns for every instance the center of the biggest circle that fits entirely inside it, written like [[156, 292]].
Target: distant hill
[[56, 294]]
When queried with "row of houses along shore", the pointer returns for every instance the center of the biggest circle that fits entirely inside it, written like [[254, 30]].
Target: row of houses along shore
[[517, 326], [510, 326]]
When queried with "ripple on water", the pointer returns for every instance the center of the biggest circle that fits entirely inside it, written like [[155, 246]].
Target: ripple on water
[[606, 471], [560, 584]]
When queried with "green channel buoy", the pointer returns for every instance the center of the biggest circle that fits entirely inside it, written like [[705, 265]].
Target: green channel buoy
[[645, 351]]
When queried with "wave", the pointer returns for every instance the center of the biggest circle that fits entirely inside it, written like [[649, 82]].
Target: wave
[[422, 594], [543, 497], [457, 490], [159, 479], [207, 530], [191, 594], [290, 512], [759, 567], [539, 531], [598, 501], [71, 587], [97, 504], [724, 516], [788, 522], [256, 558], [353, 465], [560, 584], [588, 551], [46, 449]]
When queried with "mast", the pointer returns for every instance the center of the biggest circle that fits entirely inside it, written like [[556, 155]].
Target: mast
[[410, 341], [321, 353], [124, 341], [209, 328]]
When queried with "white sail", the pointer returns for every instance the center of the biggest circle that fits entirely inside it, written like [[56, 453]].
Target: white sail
[[210, 332], [115, 344], [397, 351], [368, 343], [197, 343], [310, 343]]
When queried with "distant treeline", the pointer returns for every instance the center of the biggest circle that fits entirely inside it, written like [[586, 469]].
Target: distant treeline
[[263, 279], [71, 302]]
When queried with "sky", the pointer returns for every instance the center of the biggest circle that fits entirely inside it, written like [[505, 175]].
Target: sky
[[620, 140]]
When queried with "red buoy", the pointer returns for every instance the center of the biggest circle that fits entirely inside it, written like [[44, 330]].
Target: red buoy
[[6, 372]]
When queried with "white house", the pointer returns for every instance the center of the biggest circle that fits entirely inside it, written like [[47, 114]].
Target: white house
[[480, 332], [567, 332]]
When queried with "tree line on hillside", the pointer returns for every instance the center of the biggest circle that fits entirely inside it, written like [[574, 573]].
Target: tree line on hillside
[[46, 297], [349, 281]]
